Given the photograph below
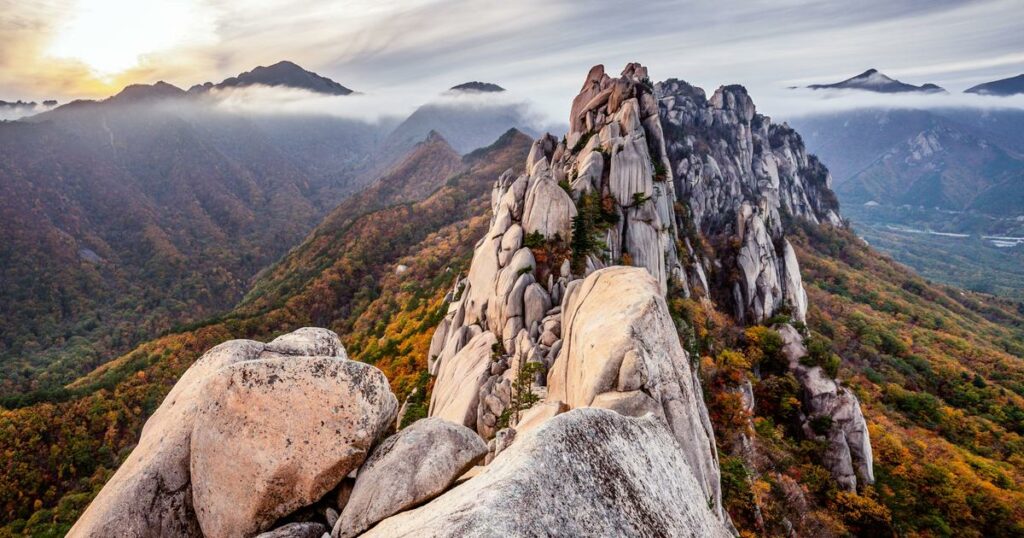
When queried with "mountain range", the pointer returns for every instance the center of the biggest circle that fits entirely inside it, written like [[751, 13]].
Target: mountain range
[[923, 184], [282, 74], [875, 81], [154, 208], [1006, 86], [675, 253]]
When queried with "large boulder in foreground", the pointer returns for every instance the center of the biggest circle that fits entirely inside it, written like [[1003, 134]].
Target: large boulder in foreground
[[150, 495], [280, 434], [587, 472], [621, 351], [407, 469]]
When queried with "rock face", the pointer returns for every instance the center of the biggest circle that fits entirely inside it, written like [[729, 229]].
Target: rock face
[[621, 351], [455, 395], [407, 469], [739, 175], [151, 493], [588, 472], [849, 454], [658, 177], [301, 424]]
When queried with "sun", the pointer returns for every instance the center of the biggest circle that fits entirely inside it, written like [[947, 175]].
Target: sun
[[113, 36]]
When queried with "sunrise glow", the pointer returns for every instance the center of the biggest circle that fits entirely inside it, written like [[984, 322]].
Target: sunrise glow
[[112, 36]]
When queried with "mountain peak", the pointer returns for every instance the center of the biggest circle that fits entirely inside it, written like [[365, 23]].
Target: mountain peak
[[874, 80], [1002, 87], [144, 92], [434, 137], [284, 73], [477, 87]]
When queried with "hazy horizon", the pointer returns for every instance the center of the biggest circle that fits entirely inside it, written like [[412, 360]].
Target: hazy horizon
[[538, 50]]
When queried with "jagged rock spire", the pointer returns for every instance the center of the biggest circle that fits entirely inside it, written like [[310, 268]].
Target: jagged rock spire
[[643, 176], [600, 197]]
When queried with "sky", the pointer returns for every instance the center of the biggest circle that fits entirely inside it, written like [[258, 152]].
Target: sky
[[413, 49]]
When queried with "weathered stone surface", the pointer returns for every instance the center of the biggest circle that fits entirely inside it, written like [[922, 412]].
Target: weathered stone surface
[[483, 271], [510, 243], [296, 530], [456, 390], [409, 468], [308, 342], [792, 284], [849, 456], [295, 427], [539, 414], [616, 322], [437, 342], [549, 210], [536, 303], [760, 292], [150, 495], [588, 472]]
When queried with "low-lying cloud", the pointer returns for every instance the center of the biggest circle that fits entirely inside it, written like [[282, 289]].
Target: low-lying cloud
[[387, 105], [792, 103]]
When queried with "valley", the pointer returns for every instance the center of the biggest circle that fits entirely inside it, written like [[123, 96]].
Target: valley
[[940, 190]]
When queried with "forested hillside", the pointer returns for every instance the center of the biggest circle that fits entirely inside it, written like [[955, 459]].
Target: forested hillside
[[126, 217], [938, 371], [59, 453]]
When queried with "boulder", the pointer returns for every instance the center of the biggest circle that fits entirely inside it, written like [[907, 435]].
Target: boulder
[[549, 209], [407, 469], [280, 434], [540, 413], [308, 342], [536, 303], [587, 472], [620, 350], [459, 378], [150, 495], [511, 240]]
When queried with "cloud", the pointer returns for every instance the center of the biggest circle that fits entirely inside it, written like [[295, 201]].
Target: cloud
[[799, 102], [394, 104], [543, 48]]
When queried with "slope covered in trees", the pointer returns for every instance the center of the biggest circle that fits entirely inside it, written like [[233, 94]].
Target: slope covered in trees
[[125, 217], [938, 370], [58, 453]]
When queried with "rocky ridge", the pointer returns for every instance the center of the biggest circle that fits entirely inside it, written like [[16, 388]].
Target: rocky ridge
[[558, 348], [696, 191]]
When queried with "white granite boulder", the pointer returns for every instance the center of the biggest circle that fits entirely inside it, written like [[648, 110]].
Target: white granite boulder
[[407, 469], [279, 434]]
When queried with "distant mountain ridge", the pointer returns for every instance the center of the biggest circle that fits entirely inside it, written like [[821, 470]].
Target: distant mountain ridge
[[283, 73], [140, 92], [477, 86], [468, 116], [1002, 87], [955, 159], [873, 80]]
